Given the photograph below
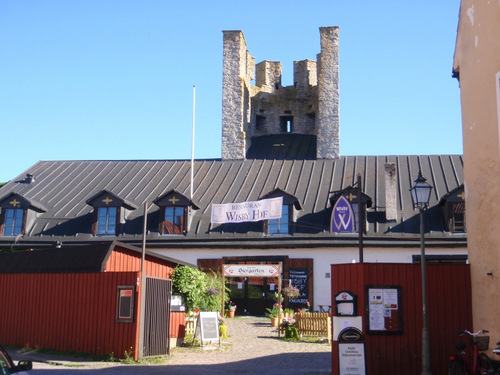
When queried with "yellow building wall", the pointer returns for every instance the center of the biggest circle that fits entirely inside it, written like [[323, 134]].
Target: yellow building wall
[[477, 64]]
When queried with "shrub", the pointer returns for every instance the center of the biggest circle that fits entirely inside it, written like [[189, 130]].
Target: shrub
[[200, 290]]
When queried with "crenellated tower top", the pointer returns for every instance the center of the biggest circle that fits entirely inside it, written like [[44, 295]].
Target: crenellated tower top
[[309, 107]]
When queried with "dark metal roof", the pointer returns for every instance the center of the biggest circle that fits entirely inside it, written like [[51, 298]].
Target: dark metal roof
[[283, 147], [57, 260], [63, 187], [69, 258]]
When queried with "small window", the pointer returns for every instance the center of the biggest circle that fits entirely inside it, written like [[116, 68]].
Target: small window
[[286, 124], [260, 122], [17, 212], [14, 219], [285, 224], [107, 220], [125, 304], [456, 217], [174, 222], [281, 225], [109, 211], [453, 210], [174, 212]]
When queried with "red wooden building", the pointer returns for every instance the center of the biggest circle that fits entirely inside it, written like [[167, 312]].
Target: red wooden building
[[394, 344], [87, 299]]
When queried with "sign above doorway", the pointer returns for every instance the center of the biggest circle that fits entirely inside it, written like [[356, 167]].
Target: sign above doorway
[[251, 270]]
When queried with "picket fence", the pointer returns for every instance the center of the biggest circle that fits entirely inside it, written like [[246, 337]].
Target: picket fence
[[314, 324], [190, 326], [309, 324]]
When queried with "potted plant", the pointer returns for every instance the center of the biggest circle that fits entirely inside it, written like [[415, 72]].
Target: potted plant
[[288, 325], [273, 314], [231, 310]]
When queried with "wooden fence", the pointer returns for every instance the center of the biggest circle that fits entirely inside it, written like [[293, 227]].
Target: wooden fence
[[314, 324], [190, 327]]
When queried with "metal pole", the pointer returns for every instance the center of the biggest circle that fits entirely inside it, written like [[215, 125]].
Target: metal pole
[[426, 358], [279, 298], [142, 306], [360, 221]]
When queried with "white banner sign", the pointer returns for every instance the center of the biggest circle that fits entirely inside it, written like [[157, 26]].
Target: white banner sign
[[264, 209], [250, 270]]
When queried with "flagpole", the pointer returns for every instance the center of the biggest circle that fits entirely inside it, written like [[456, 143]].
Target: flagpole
[[192, 142]]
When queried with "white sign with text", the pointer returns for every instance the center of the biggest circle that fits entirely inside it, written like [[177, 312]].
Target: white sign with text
[[249, 270], [264, 209]]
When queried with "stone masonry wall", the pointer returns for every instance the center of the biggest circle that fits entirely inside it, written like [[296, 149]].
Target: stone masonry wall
[[310, 106], [236, 76], [328, 130]]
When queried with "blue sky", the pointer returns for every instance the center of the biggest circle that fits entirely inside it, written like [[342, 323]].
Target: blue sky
[[113, 80]]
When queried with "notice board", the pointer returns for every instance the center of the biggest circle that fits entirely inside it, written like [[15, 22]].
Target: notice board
[[383, 309]]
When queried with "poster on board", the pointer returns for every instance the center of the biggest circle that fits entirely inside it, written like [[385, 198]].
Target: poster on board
[[384, 309]]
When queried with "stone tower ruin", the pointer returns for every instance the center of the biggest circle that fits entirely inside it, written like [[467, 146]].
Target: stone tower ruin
[[309, 107]]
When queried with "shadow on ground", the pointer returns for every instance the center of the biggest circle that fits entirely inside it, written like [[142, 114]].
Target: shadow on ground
[[279, 364]]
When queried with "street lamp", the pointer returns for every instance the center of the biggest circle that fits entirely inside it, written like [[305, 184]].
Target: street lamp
[[421, 193]]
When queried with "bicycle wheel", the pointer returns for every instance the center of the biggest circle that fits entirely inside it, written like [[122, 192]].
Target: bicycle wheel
[[484, 365], [457, 367]]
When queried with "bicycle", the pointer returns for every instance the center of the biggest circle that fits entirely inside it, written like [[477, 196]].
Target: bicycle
[[481, 363]]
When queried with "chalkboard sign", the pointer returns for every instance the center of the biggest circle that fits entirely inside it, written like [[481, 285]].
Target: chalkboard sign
[[299, 279], [207, 326]]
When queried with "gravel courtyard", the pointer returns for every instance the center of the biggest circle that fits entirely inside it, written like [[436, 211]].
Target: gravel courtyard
[[253, 347]]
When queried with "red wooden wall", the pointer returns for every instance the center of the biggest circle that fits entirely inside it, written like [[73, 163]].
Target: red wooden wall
[[66, 312], [177, 324], [448, 309], [122, 259]]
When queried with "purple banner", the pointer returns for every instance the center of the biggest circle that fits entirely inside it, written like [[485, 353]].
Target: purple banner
[[342, 216]]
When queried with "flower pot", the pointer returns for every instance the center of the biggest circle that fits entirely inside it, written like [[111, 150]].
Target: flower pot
[[274, 322], [230, 313]]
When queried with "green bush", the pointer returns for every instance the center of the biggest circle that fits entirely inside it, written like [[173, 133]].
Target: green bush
[[200, 290]]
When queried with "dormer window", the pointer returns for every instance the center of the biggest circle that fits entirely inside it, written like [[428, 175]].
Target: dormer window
[[107, 220], [174, 221], [109, 212], [285, 224], [175, 209], [17, 213], [453, 206], [14, 221], [281, 225]]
